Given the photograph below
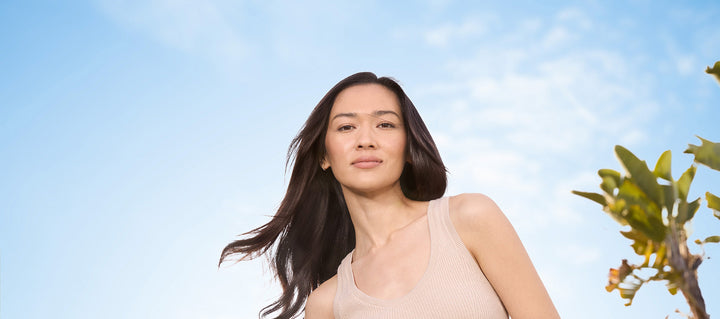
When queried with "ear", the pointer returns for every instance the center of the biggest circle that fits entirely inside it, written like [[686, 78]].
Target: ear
[[324, 164]]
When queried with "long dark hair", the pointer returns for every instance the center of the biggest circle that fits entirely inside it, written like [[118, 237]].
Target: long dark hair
[[312, 232]]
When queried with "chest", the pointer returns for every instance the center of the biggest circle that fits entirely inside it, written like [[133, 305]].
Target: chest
[[396, 269]]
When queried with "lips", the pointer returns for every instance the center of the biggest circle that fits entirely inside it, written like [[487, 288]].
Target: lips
[[366, 162]]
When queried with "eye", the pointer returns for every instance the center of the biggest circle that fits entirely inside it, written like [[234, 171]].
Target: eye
[[345, 128], [386, 125]]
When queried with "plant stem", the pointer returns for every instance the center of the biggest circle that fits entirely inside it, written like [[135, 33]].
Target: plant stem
[[685, 264]]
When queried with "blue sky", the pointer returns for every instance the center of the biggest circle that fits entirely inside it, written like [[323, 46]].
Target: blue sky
[[137, 138]]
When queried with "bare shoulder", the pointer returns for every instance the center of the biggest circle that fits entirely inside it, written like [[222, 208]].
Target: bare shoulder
[[496, 247], [474, 211], [319, 304], [481, 224]]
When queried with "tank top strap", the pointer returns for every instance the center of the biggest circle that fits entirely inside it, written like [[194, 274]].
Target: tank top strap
[[345, 279], [441, 227], [436, 209], [443, 232]]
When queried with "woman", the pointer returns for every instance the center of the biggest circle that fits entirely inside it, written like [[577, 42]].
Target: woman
[[364, 232]]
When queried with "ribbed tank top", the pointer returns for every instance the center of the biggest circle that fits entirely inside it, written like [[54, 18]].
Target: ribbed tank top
[[453, 286]]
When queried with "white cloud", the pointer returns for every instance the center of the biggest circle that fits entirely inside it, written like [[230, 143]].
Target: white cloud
[[575, 17], [686, 65], [442, 36], [559, 104], [438, 4], [523, 116], [577, 254], [197, 27], [556, 37]]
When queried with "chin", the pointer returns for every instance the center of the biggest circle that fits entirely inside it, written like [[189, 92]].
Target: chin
[[370, 186]]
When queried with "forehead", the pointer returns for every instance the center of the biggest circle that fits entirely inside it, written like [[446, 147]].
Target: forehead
[[365, 98]]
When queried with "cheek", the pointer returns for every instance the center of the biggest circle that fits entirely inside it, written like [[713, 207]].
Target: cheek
[[333, 148], [400, 147]]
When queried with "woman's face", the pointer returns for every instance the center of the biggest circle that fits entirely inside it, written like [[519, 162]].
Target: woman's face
[[365, 140]]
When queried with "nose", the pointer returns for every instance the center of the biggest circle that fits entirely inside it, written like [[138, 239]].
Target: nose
[[366, 139]]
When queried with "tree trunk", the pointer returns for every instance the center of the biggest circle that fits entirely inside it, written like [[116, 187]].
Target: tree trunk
[[686, 264]]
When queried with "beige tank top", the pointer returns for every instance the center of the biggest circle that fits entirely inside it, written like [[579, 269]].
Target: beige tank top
[[453, 286]]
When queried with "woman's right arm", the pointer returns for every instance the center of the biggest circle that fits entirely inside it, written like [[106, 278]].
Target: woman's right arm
[[319, 304]]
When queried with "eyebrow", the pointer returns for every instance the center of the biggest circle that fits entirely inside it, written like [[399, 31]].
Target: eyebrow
[[376, 113]]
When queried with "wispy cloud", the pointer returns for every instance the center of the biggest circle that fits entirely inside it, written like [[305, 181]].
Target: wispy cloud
[[524, 113], [578, 254], [196, 27], [441, 36]]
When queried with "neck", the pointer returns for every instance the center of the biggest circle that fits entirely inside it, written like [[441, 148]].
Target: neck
[[377, 216]]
